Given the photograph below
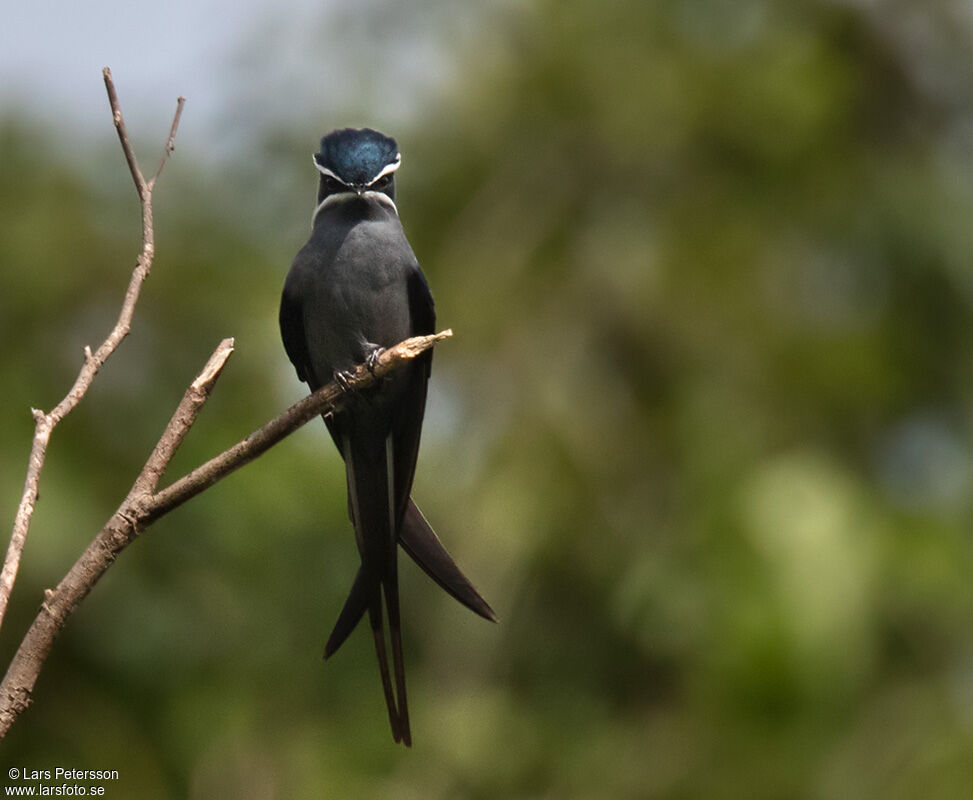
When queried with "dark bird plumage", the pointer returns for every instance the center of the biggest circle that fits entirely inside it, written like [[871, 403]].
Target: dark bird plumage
[[354, 289]]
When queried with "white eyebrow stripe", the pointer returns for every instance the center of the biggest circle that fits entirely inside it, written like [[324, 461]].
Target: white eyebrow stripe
[[328, 172], [340, 197], [389, 168]]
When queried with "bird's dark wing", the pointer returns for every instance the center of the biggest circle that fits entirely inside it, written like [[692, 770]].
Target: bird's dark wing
[[408, 413], [421, 306], [292, 327]]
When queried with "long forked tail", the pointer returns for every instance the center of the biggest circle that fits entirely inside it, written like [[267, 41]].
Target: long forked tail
[[391, 591], [375, 617], [370, 479], [419, 540]]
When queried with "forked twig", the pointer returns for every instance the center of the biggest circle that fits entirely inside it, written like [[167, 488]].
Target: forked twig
[[44, 423]]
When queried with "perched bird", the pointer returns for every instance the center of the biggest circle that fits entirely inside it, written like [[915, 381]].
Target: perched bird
[[353, 290]]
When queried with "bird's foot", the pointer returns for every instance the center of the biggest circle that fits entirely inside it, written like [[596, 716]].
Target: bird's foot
[[343, 379], [371, 360]]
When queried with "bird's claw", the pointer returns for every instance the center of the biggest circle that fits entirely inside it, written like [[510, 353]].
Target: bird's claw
[[343, 379], [371, 360]]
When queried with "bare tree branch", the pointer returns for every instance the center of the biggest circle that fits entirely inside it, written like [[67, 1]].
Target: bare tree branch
[[143, 505], [44, 423], [325, 400], [116, 112], [182, 420], [170, 142]]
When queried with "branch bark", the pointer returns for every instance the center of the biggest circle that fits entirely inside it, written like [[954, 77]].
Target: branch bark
[[44, 423], [144, 505]]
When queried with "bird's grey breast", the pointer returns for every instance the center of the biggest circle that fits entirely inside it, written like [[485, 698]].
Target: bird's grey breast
[[358, 295]]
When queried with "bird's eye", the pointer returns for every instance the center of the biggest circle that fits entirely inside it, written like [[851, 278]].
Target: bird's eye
[[330, 183], [383, 183]]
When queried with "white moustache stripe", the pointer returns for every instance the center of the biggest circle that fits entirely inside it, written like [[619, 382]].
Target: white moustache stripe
[[340, 197]]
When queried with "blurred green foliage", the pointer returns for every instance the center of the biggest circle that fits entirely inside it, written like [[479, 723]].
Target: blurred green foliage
[[703, 436]]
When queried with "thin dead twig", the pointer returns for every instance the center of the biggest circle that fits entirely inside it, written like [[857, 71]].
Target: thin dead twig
[[44, 423]]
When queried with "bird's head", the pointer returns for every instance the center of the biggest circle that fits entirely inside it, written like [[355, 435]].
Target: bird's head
[[357, 162]]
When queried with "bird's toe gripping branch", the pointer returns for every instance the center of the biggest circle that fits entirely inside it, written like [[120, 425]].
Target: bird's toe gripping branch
[[344, 378], [372, 359]]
